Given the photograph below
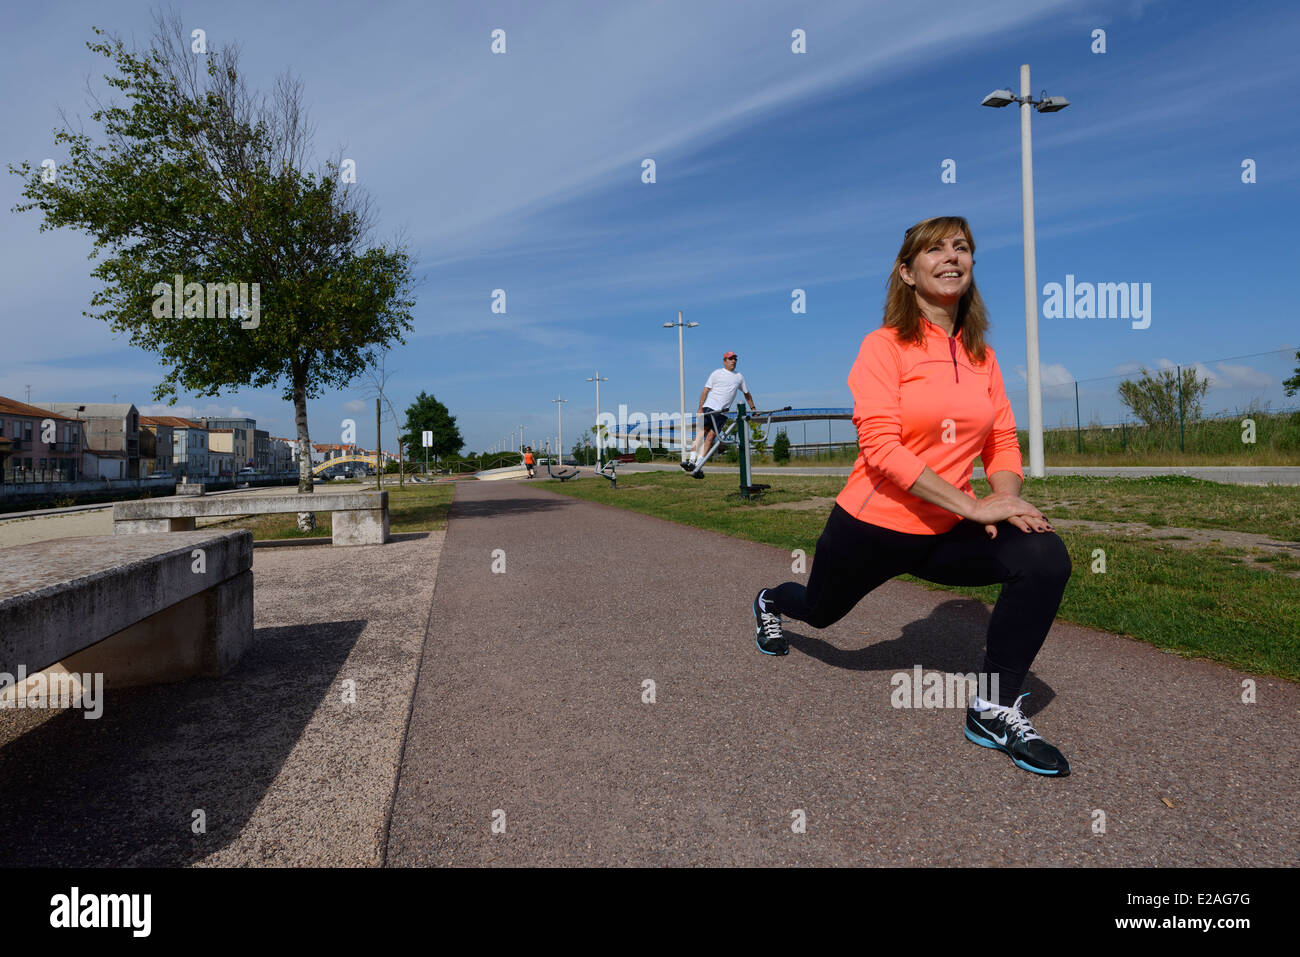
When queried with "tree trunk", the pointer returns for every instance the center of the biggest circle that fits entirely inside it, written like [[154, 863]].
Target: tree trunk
[[379, 444], [306, 520]]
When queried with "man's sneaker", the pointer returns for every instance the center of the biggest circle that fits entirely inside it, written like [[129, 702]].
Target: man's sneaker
[[687, 467], [767, 630], [1007, 729], [698, 473]]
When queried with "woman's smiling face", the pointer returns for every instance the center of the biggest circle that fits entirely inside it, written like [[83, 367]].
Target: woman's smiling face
[[940, 273]]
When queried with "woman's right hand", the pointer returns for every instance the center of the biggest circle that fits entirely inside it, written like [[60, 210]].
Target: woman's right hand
[[1001, 506]]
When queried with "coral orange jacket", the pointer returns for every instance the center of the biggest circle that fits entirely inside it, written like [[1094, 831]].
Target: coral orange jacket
[[916, 406]]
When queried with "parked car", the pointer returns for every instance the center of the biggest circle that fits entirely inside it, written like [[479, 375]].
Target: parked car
[[158, 475]]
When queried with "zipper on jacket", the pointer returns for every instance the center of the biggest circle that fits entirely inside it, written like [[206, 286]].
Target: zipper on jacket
[[952, 347]]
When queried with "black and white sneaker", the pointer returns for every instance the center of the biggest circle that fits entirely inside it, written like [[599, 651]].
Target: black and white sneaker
[[698, 473], [767, 630], [687, 467], [1008, 730]]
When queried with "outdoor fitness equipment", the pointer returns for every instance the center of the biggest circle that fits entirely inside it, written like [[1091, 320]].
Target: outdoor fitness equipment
[[562, 475], [737, 427], [608, 471]]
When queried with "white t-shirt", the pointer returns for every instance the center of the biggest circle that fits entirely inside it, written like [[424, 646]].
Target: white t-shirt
[[722, 386]]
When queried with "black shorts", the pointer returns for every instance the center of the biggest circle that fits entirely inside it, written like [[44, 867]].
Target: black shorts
[[712, 421]]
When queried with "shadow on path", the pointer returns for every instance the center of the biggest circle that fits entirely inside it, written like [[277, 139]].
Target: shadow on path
[[950, 639], [487, 508]]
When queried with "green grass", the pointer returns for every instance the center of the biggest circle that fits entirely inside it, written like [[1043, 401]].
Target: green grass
[[1164, 500], [416, 508], [1205, 601]]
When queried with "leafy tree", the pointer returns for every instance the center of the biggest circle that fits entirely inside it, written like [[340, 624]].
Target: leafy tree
[[1292, 385], [428, 414], [197, 177], [781, 447], [1154, 397], [642, 454]]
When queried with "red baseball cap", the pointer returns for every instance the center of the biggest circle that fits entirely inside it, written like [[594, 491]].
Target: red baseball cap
[[729, 355]]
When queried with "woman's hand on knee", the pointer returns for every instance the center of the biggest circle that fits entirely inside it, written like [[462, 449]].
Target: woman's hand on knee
[[1005, 507], [1001, 506], [1028, 523]]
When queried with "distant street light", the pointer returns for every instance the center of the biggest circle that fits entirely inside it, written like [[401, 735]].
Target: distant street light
[[559, 424], [1048, 104], [681, 375], [600, 446]]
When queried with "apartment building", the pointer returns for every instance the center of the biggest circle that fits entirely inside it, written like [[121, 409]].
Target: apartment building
[[242, 445], [189, 447], [37, 445], [156, 444], [225, 448], [261, 450], [282, 455], [110, 429]]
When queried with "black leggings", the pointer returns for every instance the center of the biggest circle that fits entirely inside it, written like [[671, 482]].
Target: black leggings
[[854, 557]]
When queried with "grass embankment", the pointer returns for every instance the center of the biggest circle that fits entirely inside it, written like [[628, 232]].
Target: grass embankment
[[416, 508], [1197, 600]]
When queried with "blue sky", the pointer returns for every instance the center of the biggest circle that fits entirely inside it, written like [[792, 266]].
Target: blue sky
[[775, 171]]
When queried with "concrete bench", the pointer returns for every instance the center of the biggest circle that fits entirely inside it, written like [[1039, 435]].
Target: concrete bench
[[140, 610], [360, 518]]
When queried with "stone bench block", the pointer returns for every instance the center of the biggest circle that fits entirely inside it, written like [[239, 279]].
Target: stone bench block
[[368, 527], [359, 518], [141, 609]]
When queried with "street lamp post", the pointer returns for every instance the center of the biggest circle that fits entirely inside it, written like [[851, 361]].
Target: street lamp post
[[1048, 104], [681, 375], [600, 446], [521, 440], [559, 425]]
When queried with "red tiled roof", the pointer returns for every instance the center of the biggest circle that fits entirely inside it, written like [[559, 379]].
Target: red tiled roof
[[14, 407], [174, 421]]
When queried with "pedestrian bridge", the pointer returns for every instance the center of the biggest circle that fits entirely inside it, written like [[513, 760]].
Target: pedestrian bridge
[[369, 460]]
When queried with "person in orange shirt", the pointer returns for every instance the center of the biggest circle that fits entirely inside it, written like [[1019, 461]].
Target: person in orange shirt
[[927, 399], [529, 460]]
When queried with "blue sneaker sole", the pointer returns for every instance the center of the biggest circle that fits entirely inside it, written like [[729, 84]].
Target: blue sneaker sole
[[986, 743]]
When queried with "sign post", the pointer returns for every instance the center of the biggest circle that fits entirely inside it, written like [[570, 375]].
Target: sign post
[[428, 441]]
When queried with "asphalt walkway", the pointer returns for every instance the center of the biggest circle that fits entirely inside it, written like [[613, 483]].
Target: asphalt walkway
[[532, 739]]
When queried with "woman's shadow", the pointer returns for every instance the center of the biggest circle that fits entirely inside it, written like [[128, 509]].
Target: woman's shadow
[[950, 639]]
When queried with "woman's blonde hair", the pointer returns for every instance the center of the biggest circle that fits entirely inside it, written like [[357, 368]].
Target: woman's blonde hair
[[901, 311]]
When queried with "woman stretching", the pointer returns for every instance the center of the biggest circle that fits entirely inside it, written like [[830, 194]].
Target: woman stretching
[[927, 399]]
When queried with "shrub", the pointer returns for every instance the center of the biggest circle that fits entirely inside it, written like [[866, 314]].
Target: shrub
[[781, 448]]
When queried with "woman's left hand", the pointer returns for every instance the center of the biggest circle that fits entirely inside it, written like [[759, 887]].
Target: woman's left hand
[[1023, 522]]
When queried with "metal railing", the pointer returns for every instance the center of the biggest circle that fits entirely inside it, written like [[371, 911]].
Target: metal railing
[[22, 476]]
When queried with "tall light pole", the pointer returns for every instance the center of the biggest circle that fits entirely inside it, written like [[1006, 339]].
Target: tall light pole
[[559, 425], [600, 446], [1048, 104], [521, 440], [681, 374]]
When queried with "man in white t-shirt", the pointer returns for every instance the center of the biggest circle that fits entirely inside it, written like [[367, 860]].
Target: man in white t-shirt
[[715, 399]]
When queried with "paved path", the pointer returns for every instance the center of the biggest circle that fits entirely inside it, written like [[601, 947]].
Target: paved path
[[529, 700], [529, 711]]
